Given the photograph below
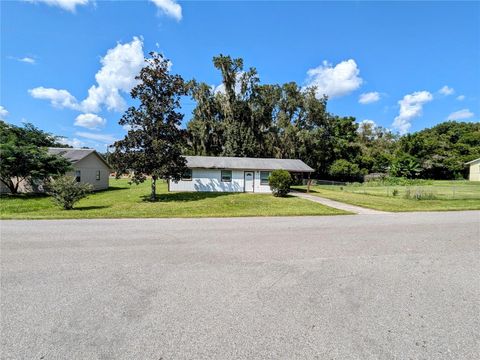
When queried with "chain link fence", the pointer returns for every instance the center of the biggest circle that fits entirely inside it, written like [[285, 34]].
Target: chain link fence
[[431, 190]]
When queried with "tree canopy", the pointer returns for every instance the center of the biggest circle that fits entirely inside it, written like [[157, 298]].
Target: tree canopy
[[154, 142], [24, 155]]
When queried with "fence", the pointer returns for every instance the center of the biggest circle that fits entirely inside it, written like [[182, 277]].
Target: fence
[[441, 190]]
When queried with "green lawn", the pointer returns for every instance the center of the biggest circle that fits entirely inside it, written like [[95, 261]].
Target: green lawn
[[128, 201], [441, 196]]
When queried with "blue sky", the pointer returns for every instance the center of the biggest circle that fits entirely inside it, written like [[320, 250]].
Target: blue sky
[[67, 65]]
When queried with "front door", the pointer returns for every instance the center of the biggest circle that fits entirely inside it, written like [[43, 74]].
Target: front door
[[248, 178]]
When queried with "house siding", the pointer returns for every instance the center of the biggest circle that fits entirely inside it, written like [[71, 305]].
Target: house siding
[[474, 171], [209, 180], [88, 167]]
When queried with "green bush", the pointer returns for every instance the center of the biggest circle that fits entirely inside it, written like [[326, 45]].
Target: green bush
[[344, 170], [280, 181], [66, 191]]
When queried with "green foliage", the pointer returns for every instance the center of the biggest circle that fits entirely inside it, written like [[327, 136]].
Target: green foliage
[[66, 191], [280, 181], [24, 155], [247, 118], [442, 150], [405, 166], [344, 170], [154, 143]]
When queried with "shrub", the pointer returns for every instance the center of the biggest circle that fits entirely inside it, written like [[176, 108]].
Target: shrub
[[280, 181], [395, 192], [66, 191], [345, 171]]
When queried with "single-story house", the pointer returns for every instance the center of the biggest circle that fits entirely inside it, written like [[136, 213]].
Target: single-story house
[[233, 174], [474, 174], [88, 167]]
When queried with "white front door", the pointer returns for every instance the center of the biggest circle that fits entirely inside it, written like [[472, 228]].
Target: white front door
[[248, 177]]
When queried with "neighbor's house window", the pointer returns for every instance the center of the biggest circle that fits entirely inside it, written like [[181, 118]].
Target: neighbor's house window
[[78, 175], [264, 177], [187, 175], [226, 175], [97, 176]]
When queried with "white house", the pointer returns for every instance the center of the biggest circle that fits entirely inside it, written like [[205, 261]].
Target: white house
[[474, 174], [233, 174]]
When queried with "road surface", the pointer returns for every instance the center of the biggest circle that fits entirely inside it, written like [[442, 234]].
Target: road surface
[[393, 286]]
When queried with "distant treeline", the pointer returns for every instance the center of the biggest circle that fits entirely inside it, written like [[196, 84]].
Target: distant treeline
[[242, 117]]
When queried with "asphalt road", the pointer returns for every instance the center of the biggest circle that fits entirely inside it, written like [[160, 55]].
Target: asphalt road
[[393, 286]]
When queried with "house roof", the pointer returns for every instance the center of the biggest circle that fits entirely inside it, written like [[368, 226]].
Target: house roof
[[244, 163], [473, 161], [75, 155]]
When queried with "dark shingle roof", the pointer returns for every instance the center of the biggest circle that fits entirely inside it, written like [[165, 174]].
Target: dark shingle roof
[[240, 163], [75, 155]]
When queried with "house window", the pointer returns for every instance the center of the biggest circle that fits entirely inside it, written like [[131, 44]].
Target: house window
[[264, 177], [226, 175], [187, 175], [97, 176], [78, 176]]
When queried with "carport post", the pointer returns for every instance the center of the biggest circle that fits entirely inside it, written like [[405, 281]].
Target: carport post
[[308, 183]]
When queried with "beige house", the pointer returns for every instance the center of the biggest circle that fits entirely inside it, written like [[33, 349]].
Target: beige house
[[474, 174], [88, 167]]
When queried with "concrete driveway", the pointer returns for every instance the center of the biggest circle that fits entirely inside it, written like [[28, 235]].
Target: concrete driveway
[[394, 286]]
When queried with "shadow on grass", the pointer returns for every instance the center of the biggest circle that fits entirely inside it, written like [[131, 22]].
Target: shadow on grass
[[112, 188], [186, 196], [22, 196], [86, 208]]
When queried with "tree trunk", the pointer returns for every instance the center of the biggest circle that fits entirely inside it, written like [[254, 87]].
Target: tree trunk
[[153, 195]]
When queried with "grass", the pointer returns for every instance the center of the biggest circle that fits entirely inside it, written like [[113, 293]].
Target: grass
[[131, 201], [439, 196]]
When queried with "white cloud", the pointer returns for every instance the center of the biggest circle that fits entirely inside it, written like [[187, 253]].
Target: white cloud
[[445, 90], [58, 98], [104, 138], [69, 5], [460, 115], [90, 121], [3, 113], [27, 60], [368, 98], [117, 75], [335, 81], [76, 143], [410, 107], [368, 122], [169, 7], [461, 97], [119, 68]]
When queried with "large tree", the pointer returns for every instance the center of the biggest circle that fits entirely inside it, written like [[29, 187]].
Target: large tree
[[24, 155], [154, 142]]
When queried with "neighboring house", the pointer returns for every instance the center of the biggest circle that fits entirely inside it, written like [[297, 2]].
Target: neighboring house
[[474, 174], [233, 174], [89, 167]]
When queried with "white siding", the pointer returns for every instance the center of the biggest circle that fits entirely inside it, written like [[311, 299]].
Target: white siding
[[210, 180]]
